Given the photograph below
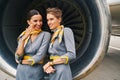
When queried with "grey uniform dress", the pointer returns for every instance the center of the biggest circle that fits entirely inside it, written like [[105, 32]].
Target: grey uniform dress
[[66, 47], [37, 49]]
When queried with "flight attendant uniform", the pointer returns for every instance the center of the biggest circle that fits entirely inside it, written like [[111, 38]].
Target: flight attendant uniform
[[37, 50], [65, 49]]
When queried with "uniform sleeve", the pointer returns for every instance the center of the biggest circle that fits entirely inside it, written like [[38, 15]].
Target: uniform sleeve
[[43, 48], [70, 44], [19, 58]]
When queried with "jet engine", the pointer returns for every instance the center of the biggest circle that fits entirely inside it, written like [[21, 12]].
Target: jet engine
[[88, 19]]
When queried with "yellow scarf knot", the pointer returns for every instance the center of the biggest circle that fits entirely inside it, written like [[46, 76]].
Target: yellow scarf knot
[[32, 32], [58, 33]]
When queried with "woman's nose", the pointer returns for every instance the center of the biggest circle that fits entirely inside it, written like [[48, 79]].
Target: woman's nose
[[38, 23]]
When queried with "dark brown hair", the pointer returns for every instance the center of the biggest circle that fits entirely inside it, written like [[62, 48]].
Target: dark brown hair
[[55, 11], [32, 13]]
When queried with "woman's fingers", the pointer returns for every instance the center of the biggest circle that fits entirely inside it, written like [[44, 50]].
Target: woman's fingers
[[46, 65], [50, 69]]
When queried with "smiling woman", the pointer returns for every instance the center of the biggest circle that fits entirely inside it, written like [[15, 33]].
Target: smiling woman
[[29, 54], [88, 19]]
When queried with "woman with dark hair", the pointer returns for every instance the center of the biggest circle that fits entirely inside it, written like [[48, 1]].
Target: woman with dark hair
[[61, 49], [31, 49]]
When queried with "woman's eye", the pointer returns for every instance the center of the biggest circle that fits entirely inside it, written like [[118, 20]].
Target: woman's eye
[[35, 20]]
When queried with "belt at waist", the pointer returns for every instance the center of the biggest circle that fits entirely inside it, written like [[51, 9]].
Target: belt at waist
[[56, 57], [27, 57]]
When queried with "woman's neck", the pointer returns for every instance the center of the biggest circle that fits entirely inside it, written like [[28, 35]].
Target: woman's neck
[[56, 28]]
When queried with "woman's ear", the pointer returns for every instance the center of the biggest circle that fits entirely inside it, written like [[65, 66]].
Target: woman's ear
[[60, 20], [28, 22]]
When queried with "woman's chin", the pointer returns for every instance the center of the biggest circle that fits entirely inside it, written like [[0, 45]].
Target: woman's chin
[[37, 28]]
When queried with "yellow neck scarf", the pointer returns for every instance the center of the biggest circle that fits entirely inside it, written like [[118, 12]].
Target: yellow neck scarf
[[33, 32], [59, 33]]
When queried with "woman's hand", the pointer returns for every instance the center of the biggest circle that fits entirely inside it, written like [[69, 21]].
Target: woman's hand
[[26, 62], [49, 70], [46, 66], [28, 31]]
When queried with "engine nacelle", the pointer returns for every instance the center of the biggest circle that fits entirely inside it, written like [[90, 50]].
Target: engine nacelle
[[89, 20]]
